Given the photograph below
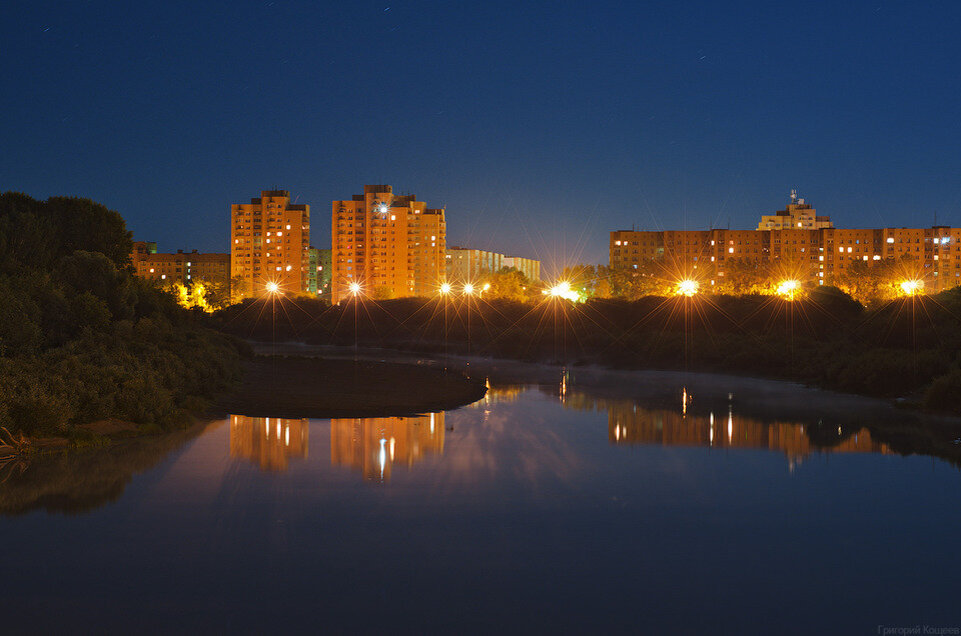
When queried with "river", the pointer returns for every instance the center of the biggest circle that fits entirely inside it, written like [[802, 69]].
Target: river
[[583, 501]]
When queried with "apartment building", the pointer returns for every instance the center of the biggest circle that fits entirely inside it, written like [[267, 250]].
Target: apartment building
[[269, 243], [386, 245]]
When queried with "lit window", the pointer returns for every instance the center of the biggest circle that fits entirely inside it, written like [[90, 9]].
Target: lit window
[[288, 268], [890, 239], [278, 269], [163, 277], [288, 227], [730, 250], [849, 250], [841, 249], [151, 270]]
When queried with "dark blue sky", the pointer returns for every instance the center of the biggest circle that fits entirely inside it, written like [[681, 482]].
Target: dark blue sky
[[540, 126]]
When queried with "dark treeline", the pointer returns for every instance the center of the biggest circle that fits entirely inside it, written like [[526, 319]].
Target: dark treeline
[[907, 347], [81, 338]]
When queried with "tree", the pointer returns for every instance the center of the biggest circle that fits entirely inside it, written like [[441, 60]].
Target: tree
[[508, 283]]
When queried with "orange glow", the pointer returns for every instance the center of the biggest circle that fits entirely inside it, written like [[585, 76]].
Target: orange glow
[[354, 288], [912, 287], [687, 287], [272, 287], [468, 289], [445, 288], [788, 289]]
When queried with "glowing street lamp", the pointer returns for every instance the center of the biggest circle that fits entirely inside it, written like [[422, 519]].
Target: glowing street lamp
[[912, 287], [687, 287], [468, 289], [272, 287], [445, 288], [788, 288], [354, 288], [563, 290]]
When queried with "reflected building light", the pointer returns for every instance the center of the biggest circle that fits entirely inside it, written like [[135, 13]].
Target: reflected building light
[[730, 424], [374, 445], [265, 446], [684, 401], [383, 458], [711, 438]]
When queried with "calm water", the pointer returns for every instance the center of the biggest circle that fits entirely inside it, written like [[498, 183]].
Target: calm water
[[609, 504]]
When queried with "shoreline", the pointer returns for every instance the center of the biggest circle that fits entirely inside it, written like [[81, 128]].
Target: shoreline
[[312, 387]]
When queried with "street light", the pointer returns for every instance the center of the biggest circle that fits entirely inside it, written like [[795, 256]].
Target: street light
[[272, 287], [788, 288], [687, 287], [354, 288], [912, 287], [468, 289], [445, 288]]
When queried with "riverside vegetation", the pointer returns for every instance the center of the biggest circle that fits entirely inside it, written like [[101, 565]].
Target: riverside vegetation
[[82, 339], [908, 347]]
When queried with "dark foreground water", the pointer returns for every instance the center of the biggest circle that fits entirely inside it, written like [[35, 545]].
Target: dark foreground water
[[619, 506]]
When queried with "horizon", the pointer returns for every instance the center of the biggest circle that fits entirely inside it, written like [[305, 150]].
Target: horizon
[[562, 124]]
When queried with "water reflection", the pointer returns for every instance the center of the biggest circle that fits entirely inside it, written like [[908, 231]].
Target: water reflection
[[629, 424], [270, 442], [373, 445]]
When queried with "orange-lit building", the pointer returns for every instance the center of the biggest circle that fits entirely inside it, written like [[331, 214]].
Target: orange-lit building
[[269, 243], [529, 267], [269, 442], [374, 445], [186, 268], [388, 245], [817, 251]]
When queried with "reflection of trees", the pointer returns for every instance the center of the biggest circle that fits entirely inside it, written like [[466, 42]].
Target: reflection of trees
[[268, 441], [375, 444], [81, 480]]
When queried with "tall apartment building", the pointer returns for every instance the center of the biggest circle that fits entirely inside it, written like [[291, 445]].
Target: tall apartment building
[[391, 246], [318, 272], [269, 242], [818, 254], [181, 267]]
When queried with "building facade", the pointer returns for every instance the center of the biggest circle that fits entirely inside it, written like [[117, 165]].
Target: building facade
[[269, 243], [526, 266], [798, 215], [465, 265], [387, 245], [815, 255], [182, 267]]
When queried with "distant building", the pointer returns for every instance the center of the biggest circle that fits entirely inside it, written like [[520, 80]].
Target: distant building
[[820, 253], [797, 216], [526, 266], [186, 268], [269, 242], [467, 265], [318, 272], [390, 246]]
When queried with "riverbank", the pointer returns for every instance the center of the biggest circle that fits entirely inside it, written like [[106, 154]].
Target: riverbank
[[298, 387]]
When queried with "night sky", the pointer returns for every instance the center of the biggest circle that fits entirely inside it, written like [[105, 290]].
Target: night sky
[[540, 126]]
